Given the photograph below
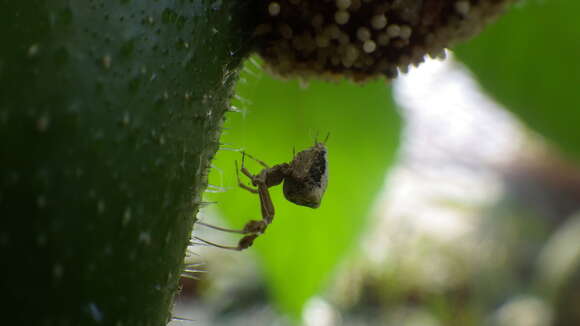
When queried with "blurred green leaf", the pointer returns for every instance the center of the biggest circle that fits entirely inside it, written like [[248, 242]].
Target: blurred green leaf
[[302, 246], [528, 60]]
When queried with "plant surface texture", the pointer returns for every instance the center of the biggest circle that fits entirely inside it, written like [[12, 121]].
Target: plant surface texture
[[110, 112]]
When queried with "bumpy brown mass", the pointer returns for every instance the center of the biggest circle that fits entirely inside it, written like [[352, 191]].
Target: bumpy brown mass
[[318, 169], [363, 39]]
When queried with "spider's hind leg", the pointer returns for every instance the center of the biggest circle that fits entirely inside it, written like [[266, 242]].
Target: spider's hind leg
[[220, 228], [244, 243], [252, 227], [252, 230]]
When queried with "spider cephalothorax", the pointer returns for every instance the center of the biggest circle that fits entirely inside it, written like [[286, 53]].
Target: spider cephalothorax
[[305, 179]]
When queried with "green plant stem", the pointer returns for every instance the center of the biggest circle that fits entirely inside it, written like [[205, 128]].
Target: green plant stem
[[110, 112]]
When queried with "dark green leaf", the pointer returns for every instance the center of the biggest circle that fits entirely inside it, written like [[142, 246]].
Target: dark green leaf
[[528, 60]]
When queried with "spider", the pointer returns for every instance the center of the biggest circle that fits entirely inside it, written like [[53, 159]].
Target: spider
[[305, 179]]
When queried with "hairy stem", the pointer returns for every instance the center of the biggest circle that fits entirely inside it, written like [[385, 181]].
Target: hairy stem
[[109, 115]]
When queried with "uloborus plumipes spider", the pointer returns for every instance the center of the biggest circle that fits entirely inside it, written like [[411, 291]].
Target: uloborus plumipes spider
[[304, 182]]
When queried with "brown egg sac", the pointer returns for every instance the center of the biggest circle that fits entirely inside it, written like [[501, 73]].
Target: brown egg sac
[[363, 39]]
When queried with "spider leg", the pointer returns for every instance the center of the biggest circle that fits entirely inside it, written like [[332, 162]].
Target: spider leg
[[266, 205], [244, 170], [220, 228], [214, 244], [255, 159], [240, 183], [255, 228], [247, 173], [248, 188], [244, 243], [252, 227]]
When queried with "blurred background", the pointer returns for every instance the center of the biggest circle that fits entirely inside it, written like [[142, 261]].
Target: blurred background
[[453, 197]]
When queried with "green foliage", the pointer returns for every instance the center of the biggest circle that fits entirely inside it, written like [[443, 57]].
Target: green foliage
[[109, 115], [302, 246], [528, 60]]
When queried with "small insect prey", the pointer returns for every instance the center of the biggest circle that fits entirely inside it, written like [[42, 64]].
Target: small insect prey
[[305, 179]]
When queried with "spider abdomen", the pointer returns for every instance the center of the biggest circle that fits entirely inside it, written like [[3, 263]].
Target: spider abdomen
[[306, 183]]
